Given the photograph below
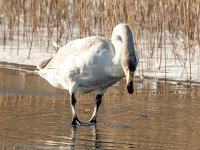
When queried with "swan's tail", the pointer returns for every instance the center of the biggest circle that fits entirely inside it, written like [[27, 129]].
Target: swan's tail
[[51, 75], [44, 63]]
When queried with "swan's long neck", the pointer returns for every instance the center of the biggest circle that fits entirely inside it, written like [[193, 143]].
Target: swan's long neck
[[125, 52]]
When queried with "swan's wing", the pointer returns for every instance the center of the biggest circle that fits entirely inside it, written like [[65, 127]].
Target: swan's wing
[[87, 61], [73, 49]]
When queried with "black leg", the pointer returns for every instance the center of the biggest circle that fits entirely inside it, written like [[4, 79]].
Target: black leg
[[98, 103], [75, 120]]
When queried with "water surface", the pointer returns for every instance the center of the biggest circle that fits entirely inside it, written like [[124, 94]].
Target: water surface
[[34, 116]]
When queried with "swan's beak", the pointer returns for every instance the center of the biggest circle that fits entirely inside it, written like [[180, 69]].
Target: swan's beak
[[129, 81]]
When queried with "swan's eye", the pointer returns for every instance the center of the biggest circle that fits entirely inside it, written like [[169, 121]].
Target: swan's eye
[[119, 38]]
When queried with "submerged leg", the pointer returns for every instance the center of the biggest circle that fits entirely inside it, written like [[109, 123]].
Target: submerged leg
[[98, 103], [75, 120]]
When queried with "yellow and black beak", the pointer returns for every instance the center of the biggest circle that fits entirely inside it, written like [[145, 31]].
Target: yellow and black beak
[[129, 81], [130, 87]]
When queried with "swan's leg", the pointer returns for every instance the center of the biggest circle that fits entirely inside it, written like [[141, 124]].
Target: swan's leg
[[98, 103], [75, 120]]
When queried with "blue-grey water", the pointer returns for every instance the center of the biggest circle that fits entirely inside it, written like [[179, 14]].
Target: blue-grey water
[[36, 116]]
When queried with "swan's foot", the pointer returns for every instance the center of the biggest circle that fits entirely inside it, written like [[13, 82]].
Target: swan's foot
[[75, 122], [93, 120]]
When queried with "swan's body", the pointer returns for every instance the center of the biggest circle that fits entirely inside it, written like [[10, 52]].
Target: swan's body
[[88, 62], [92, 64]]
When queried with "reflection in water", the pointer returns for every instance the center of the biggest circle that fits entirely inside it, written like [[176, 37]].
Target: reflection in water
[[34, 115], [89, 141]]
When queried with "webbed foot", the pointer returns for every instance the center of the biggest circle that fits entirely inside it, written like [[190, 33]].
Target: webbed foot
[[75, 121]]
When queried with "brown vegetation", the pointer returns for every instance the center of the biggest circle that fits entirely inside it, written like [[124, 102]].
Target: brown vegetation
[[154, 21]]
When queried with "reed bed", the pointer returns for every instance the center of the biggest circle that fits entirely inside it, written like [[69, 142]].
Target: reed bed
[[155, 23]]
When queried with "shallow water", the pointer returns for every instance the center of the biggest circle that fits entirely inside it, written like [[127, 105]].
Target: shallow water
[[34, 115]]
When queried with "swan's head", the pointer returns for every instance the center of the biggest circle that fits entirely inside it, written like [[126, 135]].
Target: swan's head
[[129, 69], [122, 35]]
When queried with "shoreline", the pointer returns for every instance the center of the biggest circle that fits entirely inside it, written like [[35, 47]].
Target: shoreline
[[24, 69], [21, 69]]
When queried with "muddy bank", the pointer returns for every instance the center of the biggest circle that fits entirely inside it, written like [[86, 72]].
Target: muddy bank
[[18, 68]]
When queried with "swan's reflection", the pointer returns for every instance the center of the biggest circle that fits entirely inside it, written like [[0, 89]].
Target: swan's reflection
[[77, 139], [73, 137]]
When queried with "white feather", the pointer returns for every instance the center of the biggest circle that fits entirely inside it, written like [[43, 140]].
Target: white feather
[[85, 65]]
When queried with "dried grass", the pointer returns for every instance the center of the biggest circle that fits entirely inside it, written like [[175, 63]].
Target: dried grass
[[60, 20]]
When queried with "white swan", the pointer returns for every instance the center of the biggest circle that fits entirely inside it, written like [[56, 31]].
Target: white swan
[[92, 64]]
